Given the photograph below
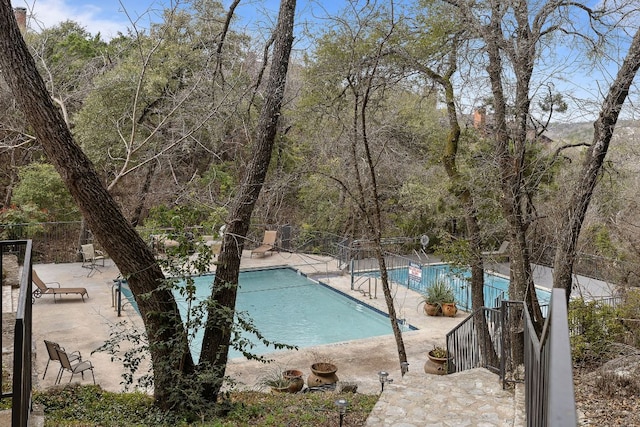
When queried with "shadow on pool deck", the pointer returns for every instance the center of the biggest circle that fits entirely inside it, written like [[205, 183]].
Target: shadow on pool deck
[[85, 326]]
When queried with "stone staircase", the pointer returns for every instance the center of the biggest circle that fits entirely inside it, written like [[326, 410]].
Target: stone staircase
[[469, 398]]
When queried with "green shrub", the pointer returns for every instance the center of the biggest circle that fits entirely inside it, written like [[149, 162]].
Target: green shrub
[[13, 221], [594, 327], [438, 293], [77, 405], [41, 185], [630, 316]]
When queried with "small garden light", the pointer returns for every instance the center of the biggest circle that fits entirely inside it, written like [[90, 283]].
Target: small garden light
[[342, 408], [384, 378]]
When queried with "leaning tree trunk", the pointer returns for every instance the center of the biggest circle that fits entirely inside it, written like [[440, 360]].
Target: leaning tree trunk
[[581, 197], [466, 199], [217, 335], [168, 344]]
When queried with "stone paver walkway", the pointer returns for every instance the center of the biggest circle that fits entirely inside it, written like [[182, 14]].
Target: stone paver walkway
[[473, 398]]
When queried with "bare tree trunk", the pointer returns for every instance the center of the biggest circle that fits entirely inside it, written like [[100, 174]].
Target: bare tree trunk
[[591, 168], [142, 194], [464, 195], [510, 155], [217, 335], [370, 201], [168, 343]]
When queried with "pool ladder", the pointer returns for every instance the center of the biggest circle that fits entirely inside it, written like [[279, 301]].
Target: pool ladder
[[366, 280]]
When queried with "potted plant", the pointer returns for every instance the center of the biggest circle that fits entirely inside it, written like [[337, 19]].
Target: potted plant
[[436, 297], [437, 361], [294, 376], [282, 381]]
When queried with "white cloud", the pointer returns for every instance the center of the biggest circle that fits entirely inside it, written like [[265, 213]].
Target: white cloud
[[95, 18]]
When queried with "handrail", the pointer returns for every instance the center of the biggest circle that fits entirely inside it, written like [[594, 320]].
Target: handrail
[[467, 349], [549, 392], [22, 349]]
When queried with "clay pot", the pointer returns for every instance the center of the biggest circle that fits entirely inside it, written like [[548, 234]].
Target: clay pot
[[322, 373], [449, 309], [435, 365], [294, 376], [432, 309], [280, 389]]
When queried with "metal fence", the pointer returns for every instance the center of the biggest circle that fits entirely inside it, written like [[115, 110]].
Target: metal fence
[[467, 346], [20, 393], [53, 242], [365, 275], [59, 242], [548, 371]]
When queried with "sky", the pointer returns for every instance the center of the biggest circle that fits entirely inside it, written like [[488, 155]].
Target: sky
[[108, 17], [104, 16]]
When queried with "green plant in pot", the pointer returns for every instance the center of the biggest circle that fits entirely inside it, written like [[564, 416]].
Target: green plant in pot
[[438, 352], [437, 361], [283, 381], [435, 296]]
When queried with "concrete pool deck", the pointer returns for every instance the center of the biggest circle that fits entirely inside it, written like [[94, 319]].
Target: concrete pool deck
[[477, 394], [85, 326]]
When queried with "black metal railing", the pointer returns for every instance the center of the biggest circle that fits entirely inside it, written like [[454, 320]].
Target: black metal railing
[[549, 395], [548, 374], [20, 393], [469, 347]]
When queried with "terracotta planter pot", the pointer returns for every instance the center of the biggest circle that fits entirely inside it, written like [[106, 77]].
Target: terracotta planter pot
[[322, 374], [294, 376], [449, 309], [432, 309], [280, 389], [435, 365], [324, 368]]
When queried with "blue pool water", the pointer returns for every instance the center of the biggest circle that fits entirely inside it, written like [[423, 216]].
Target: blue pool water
[[496, 287], [288, 307]]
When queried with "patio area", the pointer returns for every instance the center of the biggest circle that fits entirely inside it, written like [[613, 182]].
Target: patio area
[[471, 398], [84, 326]]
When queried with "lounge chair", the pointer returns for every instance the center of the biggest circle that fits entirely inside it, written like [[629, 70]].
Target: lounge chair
[[503, 251], [52, 349], [75, 368], [268, 243], [91, 256], [42, 288]]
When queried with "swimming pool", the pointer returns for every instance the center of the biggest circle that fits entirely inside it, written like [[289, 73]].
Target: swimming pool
[[496, 288], [288, 307]]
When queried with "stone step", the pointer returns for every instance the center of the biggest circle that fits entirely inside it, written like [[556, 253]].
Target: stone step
[[470, 398]]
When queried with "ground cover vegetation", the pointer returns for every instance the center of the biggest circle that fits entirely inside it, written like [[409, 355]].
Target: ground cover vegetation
[[89, 406], [190, 123]]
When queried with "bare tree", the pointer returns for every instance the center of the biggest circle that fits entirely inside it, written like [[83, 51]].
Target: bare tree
[[448, 53], [578, 203], [169, 348]]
